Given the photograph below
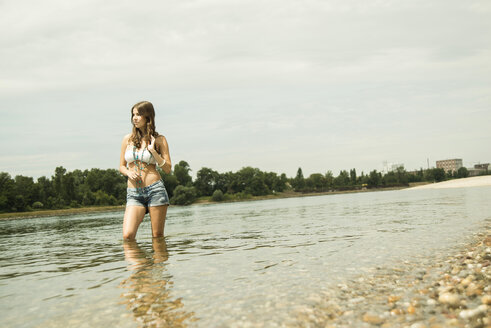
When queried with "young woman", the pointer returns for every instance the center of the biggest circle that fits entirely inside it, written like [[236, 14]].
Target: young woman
[[141, 151]]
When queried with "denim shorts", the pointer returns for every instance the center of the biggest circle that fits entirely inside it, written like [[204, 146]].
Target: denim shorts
[[152, 195]]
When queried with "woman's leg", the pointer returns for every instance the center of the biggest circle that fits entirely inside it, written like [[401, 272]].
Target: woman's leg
[[157, 216], [133, 216]]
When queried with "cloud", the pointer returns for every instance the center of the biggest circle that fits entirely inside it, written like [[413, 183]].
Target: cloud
[[252, 79]]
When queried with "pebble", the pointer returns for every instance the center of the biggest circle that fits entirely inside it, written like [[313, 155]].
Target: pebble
[[396, 312], [470, 314], [393, 299], [465, 282], [357, 300], [411, 309], [372, 319], [418, 325], [431, 302], [449, 299]]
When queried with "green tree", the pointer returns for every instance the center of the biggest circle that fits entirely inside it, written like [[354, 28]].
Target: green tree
[[26, 193], [88, 197], [280, 183], [389, 179], [170, 181], [46, 190], [102, 198], [329, 179], [299, 182], [206, 181], [37, 205], [402, 176], [6, 192], [462, 172], [181, 171], [439, 174], [68, 188], [315, 182], [352, 174], [58, 182], [183, 195], [222, 182], [233, 182], [435, 174], [342, 180], [274, 182], [251, 180], [94, 179], [416, 176], [374, 179], [217, 196]]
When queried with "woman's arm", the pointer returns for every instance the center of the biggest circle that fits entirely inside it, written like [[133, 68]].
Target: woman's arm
[[163, 157], [122, 161]]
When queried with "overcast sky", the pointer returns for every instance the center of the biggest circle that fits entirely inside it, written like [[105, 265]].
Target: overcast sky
[[273, 84]]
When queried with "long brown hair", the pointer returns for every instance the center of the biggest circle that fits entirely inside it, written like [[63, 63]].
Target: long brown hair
[[145, 109]]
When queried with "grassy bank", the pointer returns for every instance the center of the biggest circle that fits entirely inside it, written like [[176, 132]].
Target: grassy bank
[[61, 212]]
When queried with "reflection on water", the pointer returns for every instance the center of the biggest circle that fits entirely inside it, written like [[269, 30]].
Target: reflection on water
[[148, 294]]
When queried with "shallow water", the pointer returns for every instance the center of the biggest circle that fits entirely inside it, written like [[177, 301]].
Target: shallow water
[[222, 265]]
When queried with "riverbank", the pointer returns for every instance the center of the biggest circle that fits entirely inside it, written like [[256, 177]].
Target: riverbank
[[446, 290], [60, 212], [95, 209], [457, 183]]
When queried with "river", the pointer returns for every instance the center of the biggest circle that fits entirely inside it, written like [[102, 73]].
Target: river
[[220, 265]]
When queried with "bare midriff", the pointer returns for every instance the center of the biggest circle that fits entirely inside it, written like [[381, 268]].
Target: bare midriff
[[148, 176]]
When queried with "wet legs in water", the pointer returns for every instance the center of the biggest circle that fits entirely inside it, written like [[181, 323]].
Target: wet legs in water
[[133, 217]]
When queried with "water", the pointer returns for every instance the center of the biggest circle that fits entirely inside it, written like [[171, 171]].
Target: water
[[220, 265]]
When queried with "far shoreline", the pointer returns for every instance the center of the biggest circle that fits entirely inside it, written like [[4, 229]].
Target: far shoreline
[[102, 209], [455, 183]]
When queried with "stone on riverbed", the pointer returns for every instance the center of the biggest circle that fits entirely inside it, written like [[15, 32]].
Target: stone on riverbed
[[372, 319], [473, 313], [452, 300]]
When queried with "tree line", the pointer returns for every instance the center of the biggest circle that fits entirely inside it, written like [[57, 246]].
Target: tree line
[[99, 187]]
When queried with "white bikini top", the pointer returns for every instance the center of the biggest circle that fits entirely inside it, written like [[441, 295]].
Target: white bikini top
[[132, 154]]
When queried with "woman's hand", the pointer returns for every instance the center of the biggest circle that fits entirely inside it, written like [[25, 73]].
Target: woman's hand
[[133, 175], [151, 146]]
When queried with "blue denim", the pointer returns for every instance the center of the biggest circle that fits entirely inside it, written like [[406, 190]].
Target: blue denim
[[152, 195]]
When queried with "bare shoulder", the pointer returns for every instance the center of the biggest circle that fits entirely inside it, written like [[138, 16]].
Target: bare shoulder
[[126, 139], [161, 139]]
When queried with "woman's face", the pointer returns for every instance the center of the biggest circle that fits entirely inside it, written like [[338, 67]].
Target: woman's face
[[138, 120]]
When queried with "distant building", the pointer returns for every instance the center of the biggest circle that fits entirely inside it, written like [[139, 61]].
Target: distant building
[[449, 165], [478, 169], [482, 166]]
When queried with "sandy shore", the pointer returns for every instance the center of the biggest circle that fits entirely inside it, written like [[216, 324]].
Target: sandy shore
[[451, 289], [479, 181]]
